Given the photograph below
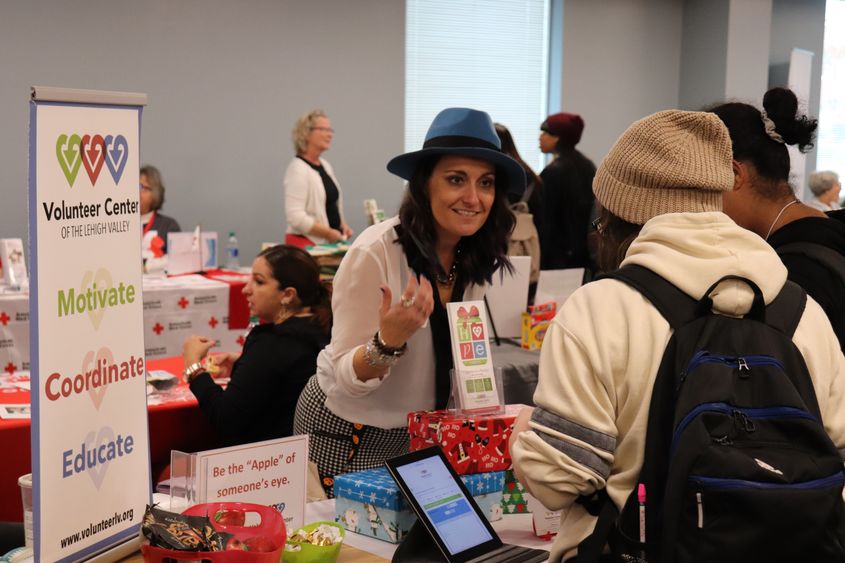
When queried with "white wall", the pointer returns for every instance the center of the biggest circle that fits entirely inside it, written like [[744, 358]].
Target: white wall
[[798, 23], [225, 80], [621, 62]]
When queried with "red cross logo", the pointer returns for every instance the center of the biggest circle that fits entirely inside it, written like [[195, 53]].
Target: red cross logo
[[158, 329], [183, 302], [213, 322], [4, 318], [11, 368], [240, 340]]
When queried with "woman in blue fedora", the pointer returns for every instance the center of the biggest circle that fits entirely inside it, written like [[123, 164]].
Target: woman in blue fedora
[[390, 352]]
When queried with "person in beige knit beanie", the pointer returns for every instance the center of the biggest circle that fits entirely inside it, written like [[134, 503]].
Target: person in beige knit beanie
[[660, 188], [670, 162]]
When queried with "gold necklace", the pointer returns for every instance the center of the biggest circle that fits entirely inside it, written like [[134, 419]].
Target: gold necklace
[[449, 279]]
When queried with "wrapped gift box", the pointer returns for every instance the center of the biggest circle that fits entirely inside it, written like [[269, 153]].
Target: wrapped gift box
[[370, 503], [514, 497], [472, 444], [535, 323]]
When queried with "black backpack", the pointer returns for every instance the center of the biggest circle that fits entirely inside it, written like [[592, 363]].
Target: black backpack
[[738, 466]]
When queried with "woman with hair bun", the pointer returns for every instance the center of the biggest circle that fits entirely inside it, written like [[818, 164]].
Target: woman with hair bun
[[279, 355], [763, 201]]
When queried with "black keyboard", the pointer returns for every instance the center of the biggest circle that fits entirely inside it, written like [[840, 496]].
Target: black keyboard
[[513, 554]]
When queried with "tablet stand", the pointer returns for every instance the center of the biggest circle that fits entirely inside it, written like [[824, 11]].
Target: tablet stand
[[418, 547]]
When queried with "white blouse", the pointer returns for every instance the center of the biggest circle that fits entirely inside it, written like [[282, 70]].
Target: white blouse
[[375, 260]]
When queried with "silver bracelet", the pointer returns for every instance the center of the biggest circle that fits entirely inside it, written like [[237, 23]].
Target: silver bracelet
[[376, 358]]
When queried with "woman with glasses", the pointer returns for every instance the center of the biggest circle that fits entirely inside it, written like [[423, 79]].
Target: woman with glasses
[[313, 200], [154, 225]]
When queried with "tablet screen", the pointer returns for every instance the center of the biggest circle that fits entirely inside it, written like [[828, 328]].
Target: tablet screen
[[443, 501]]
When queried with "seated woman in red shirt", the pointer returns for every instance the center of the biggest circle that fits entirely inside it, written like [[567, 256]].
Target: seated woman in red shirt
[[279, 355]]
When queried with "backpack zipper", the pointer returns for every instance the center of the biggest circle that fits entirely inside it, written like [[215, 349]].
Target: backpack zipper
[[719, 483], [837, 478], [741, 363], [743, 416], [700, 510]]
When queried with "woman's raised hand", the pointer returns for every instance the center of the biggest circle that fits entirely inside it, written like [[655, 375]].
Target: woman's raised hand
[[399, 321]]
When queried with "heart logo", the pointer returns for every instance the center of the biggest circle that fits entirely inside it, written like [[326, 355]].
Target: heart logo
[[102, 278], [117, 153], [476, 330], [105, 435], [93, 155], [97, 393], [67, 152]]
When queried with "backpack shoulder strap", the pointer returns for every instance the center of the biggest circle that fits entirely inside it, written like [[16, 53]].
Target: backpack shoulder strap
[[677, 307], [785, 312]]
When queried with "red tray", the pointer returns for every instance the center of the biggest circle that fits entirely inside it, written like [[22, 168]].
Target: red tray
[[272, 525]]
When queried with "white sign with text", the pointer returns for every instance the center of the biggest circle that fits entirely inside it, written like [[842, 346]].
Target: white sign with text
[[90, 448], [272, 473]]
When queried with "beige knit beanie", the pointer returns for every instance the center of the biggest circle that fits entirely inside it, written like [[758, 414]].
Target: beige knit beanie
[[669, 162]]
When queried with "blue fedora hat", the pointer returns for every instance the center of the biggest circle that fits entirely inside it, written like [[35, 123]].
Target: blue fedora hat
[[465, 132]]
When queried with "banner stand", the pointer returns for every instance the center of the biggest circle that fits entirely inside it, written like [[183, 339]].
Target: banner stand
[[90, 440]]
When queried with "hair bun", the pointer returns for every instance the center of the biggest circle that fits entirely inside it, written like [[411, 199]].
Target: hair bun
[[781, 105]]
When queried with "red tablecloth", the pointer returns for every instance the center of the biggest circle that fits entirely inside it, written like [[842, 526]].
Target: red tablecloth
[[174, 425], [238, 308]]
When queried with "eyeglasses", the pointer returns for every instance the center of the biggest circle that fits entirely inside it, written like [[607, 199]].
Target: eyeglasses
[[597, 225], [326, 129]]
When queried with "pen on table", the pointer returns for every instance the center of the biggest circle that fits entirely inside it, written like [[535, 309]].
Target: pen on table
[[641, 501]]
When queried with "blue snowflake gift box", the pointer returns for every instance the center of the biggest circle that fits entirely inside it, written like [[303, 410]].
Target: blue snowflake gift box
[[370, 503]]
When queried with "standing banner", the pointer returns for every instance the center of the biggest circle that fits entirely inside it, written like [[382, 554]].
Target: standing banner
[[90, 447]]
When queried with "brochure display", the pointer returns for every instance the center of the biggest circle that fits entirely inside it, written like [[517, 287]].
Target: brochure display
[[90, 447], [191, 252], [474, 381], [12, 262]]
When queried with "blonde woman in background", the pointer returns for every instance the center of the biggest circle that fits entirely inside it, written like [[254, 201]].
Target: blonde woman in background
[[313, 200]]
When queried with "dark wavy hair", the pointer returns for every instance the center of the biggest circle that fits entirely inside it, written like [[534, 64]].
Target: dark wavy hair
[[751, 142], [482, 253], [293, 267], [614, 238], [509, 148]]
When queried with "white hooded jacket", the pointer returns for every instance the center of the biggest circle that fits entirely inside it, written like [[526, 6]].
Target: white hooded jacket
[[602, 352]]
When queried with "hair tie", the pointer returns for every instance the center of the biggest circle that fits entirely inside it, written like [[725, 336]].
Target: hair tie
[[769, 125]]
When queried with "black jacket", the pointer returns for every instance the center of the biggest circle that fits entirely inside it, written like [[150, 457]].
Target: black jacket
[[265, 384], [567, 205], [820, 282]]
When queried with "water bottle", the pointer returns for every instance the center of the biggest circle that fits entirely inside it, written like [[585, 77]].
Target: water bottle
[[232, 262]]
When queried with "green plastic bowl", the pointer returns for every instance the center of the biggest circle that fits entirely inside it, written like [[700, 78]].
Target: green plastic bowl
[[314, 553]]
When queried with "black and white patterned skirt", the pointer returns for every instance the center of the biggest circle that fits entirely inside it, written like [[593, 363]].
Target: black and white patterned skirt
[[338, 446]]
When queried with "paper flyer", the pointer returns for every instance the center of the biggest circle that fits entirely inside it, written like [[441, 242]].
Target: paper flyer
[[474, 375]]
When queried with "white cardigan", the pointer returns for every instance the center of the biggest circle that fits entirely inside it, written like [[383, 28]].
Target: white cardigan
[[305, 198]]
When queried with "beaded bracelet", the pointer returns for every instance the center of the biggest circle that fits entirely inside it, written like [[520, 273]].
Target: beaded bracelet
[[378, 355]]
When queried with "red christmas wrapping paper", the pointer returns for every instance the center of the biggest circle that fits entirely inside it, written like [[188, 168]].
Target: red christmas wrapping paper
[[472, 444]]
